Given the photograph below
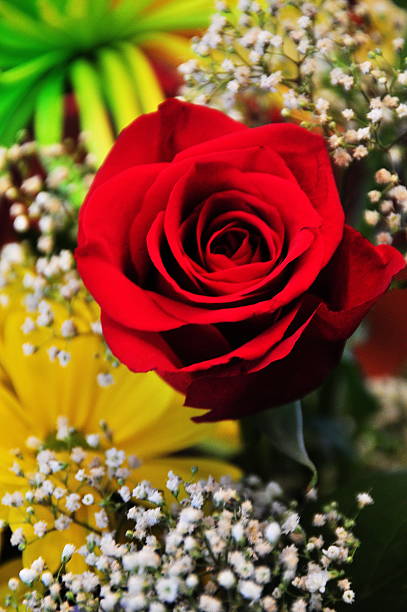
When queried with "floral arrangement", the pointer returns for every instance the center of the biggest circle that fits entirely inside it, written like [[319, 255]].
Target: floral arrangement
[[185, 422]]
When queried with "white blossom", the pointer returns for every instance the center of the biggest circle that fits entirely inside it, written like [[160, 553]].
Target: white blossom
[[364, 499], [28, 576], [250, 590], [167, 589], [67, 552]]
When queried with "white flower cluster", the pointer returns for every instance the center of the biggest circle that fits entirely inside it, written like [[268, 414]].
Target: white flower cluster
[[68, 480], [382, 443], [390, 421], [312, 55], [41, 191], [42, 188], [57, 308], [219, 547], [392, 395], [332, 72], [389, 214]]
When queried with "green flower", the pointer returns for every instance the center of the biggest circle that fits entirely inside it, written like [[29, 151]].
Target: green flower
[[98, 49]]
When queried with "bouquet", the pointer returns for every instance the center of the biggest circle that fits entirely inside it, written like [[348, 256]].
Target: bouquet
[[196, 398]]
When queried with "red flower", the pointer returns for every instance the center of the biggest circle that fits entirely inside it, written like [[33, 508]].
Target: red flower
[[219, 257], [383, 350]]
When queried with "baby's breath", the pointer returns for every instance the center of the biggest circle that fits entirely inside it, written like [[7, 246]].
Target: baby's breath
[[55, 307], [42, 189], [205, 546]]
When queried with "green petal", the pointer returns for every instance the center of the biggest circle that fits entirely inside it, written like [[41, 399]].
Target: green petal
[[32, 68], [176, 47], [93, 117], [180, 15], [148, 88], [29, 26], [119, 87], [16, 110], [49, 110]]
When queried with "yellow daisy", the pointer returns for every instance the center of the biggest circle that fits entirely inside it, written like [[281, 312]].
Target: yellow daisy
[[146, 417]]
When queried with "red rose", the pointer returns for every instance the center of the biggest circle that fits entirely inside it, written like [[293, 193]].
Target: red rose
[[220, 259]]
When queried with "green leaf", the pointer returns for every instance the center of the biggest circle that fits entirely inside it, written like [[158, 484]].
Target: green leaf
[[49, 110], [284, 428], [380, 567]]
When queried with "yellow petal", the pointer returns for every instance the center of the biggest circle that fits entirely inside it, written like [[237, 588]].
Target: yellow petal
[[51, 546], [172, 47], [8, 570], [146, 415], [44, 389]]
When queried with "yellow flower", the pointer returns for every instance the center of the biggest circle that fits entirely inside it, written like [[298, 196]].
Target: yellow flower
[[100, 50], [146, 417], [8, 570], [384, 17]]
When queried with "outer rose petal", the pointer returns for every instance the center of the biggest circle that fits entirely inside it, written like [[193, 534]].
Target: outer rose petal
[[107, 212], [361, 273], [303, 370], [100, 276], [159, 136], [143, 351], [102, 252]]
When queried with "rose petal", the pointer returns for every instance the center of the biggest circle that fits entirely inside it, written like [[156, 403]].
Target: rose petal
[[181, 298], [301, 371], [104, 221], [160, 136], [272, 234], [306, 157], [107, 212], [362, 273], [141, 351], [284, 191], [127, 303], [267, 346], [151, 351], [157, 197]]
